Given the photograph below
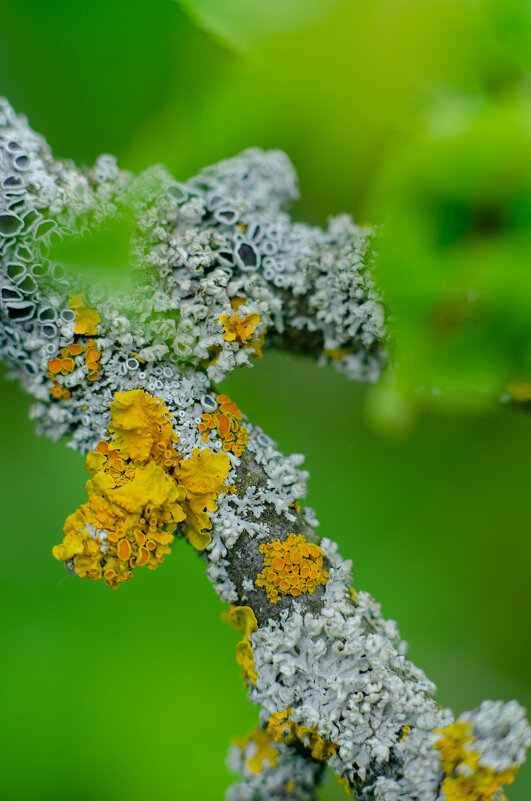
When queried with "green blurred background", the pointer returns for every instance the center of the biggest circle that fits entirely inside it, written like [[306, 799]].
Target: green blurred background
[[136, 694]]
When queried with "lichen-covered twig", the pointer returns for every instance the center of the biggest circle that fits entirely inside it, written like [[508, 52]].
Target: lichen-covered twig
[[217, 271]]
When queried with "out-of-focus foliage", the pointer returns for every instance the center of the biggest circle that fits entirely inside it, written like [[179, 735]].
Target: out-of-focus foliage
[[456, 199], [411, 114], [454, 195], [243, 24], [428, 102]]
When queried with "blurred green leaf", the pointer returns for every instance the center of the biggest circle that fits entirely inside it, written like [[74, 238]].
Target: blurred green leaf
[[455, 249], [241, 24]]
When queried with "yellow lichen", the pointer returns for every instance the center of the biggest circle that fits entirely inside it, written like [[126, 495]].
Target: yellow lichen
[[226, 420], [264, 752], [291, 567], [139, 490], [466, 779], [336, 354], [245, 658], [282, 729], [203, 477], [141, 426], [243, 619], [345, 784], [87, 320], [405, 732], [257, 344], [452, 746], [240, 331]]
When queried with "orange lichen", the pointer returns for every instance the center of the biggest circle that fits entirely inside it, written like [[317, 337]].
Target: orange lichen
[[140, 489], [63, 365], [226, 420], [291, 567], [282, 729], [92, 359], [475, 782], [66, 363], [243, 619], [55, 366]]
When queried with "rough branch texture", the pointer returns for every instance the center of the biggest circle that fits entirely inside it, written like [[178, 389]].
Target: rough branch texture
[[217, 271]]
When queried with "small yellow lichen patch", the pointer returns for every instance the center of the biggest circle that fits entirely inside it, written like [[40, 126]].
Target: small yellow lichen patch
[[452, 746], [78, 301], [345, 784], [282, 729], [466, 779], [245, 658], [243, 619], [291, 567], [264, 750], [236, 302], [227, 422], [336, 354], [353, 595], [240, 331], [87, 320], [140, 489], [405, 732], [256, 344]]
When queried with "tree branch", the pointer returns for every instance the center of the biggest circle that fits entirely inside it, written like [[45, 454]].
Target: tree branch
[[216, 270]]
